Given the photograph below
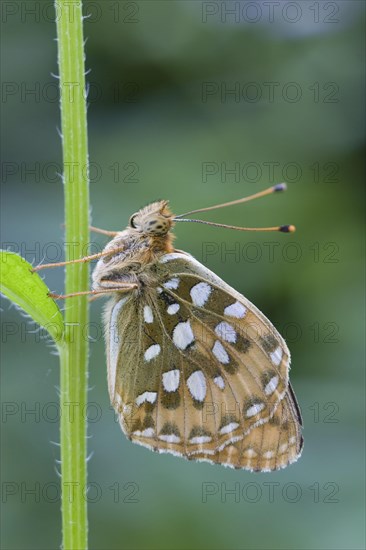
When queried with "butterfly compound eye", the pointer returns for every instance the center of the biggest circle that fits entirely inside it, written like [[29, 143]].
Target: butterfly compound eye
[[132, 221]]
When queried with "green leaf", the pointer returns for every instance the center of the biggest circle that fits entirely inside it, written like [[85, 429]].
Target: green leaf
[[28, 291]]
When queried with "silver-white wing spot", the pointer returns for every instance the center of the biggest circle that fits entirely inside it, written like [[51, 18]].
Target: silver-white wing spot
[[149, 432], [276, 356], [236, 310], [226, 332], [152, 352], [173, 308], [255, 409], [220, 353], [169, 438], [171, 380], [200, 293], [148, 314], [149, 396], [268, 454], [183, 335], [271, 386], [172, 284], [250, 453], [198, 439], [197, 385], [229, 428], [219, 381]]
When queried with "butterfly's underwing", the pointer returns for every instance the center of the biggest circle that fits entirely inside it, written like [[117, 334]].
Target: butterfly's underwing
[[194, 368]]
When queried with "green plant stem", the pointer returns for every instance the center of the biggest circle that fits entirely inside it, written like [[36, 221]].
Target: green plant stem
[[74, 352]]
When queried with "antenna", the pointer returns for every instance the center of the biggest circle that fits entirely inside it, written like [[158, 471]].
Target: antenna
[[273, 189]]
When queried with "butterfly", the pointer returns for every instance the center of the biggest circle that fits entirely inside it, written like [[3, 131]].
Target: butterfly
[[194, 368]]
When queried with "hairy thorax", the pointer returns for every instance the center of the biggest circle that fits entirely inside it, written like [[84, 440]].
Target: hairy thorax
[[131, 256]]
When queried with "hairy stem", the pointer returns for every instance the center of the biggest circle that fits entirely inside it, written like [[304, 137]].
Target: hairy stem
[[74, 352]]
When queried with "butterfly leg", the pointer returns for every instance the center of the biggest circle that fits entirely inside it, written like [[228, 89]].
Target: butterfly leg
[[115, 285], [79, 260], [118, 288]]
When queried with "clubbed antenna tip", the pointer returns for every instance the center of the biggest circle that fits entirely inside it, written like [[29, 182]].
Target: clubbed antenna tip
[[287, 228], [279, 187]]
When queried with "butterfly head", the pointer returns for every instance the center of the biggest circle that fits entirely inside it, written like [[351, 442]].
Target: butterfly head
[[154, 220]]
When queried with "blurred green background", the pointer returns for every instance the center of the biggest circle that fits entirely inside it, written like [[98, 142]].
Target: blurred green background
[[191, 102]]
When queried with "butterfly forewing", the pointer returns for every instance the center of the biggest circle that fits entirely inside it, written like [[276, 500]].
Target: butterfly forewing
[[196, 370]]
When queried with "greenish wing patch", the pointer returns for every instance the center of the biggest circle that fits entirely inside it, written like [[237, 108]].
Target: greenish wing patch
[[27, 290]]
